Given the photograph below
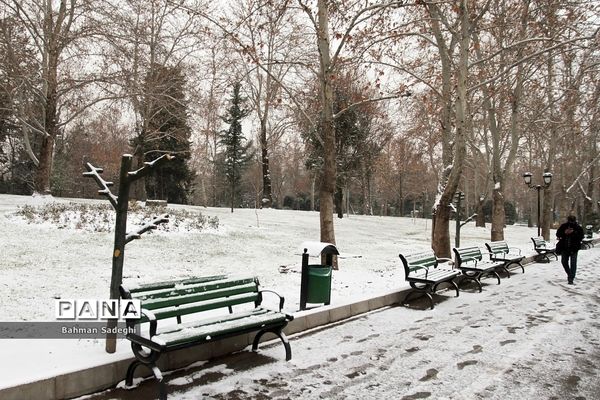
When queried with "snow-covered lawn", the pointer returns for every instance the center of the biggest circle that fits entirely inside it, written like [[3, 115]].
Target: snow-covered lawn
[[41, 263]]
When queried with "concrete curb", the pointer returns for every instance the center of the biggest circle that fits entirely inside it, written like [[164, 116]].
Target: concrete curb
[[105, 376]]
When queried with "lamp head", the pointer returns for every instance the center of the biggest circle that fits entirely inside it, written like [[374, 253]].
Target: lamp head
[[527, 178], [547, 178]]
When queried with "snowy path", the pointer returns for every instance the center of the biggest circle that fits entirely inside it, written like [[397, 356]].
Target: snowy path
[[533, 336]]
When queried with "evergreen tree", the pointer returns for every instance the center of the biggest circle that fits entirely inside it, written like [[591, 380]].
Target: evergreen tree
[[167, 131], [237, 153]]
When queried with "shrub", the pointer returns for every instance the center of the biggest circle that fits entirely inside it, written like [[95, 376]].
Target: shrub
[[101, 217]]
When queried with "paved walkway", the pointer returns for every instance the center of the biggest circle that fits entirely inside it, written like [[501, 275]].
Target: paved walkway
[[532, 337]]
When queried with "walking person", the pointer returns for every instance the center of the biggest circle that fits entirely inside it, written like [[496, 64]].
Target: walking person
[[570, 235]]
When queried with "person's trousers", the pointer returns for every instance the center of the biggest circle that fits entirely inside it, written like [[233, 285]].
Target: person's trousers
[[569, 263]]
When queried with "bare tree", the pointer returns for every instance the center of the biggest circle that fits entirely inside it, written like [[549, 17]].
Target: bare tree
[[271, 34], [142, 37], [45, 91]]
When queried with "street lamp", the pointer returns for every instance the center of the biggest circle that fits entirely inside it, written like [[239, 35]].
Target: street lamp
[[480, 221], [459, 197], [547, 177]]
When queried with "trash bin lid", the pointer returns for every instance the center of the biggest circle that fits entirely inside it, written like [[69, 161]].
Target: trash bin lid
[[315, 249]]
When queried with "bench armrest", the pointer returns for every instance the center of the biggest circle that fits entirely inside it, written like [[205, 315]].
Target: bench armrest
[[515, 249], [151, 318], [281, 298]]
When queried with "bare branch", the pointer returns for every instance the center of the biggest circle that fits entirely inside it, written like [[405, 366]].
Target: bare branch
[[148, 167], [161, 219], [104, 191], [529, 57], [360, 103], [585, 169]]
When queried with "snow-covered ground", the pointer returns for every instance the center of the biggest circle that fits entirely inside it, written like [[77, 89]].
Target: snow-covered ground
[[40, 263], [532, 337]]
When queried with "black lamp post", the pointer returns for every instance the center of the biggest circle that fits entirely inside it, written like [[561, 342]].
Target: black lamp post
[[547, 176], [458, 197]]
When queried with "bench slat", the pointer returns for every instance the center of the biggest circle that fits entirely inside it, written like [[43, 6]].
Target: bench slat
[[212, 304], [201, 331], [418, 263], [185, 289], [498, 247], [480, 266], [434, 275], [144, 287], [174, 300]]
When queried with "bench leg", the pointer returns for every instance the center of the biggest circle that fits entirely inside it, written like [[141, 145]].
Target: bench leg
[[149, 360], [505, 269], [281, 335], [474, 278], [516, 263], [542, 258], [454, 285], [496, 274], [408, 295], [490, 272], [162, 389], [130, 371], [417, 288], [430, 299]]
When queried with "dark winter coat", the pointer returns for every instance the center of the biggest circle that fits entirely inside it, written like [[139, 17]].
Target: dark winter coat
[[570, 235]]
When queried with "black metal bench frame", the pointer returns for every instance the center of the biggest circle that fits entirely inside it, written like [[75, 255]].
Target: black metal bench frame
[[587, 242], [543, 249], [500, 252], [149, 356], [469, 260], [433, 277]]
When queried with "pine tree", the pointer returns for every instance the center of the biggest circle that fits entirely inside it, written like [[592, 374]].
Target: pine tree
[[167, 132], [237, 153]]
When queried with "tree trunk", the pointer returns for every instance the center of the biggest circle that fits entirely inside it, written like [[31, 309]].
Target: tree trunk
[[498, 215], [453, 161], [312, 192], [267, 194], [328, 173], [441, 231], [139, 186], [364, 190], [339, 201], [232, 188], [480, 220], [44, 169]]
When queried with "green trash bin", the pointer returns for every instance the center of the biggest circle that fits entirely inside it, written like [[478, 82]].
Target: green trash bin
[[315, 280], [319, 284]]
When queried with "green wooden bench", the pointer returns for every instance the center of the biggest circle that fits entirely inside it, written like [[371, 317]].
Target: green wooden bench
[[423, 275], [469, 260], [190, 298], [499, 251], [544, 249]]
